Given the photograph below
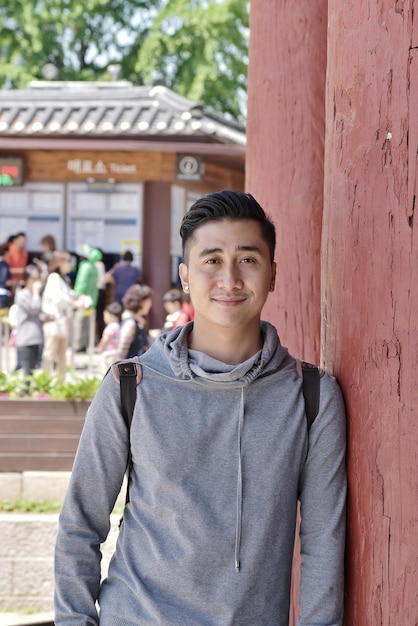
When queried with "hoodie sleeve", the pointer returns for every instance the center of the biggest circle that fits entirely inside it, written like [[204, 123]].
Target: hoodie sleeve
[[84, 523], [322, 498]]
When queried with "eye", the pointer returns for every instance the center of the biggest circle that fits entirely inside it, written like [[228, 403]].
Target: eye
[[247, 260], [211, 261]]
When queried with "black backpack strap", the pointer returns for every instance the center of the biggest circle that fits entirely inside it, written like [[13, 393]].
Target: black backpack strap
[[128, 374], [127, 381], [311, 390]]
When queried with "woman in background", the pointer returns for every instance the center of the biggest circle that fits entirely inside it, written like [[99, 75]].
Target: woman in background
[[58, 301], [133, 338]]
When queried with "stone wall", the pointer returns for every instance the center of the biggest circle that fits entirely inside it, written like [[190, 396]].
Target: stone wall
[[28, 540]]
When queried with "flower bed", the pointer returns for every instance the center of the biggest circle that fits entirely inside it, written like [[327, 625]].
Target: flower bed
[[40, 430]]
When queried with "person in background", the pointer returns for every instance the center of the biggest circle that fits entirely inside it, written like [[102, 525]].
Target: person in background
[[5, 293], [28, 329], [109, 342], [48, 248], [179, 311], [101, 297], [137, 303], [220, 453], [122, 276], [58, 303], [18, 257], [86, 284], [49, 245], [172, 300], [186, 313]]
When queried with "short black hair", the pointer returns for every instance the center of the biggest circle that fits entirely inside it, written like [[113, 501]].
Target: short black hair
[[173, 295], [233, 205], [4, 247], [128, 256], [114, 308]]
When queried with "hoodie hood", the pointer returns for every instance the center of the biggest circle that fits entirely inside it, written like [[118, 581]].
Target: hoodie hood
[[187, 365], [92, 254], [95, 255]]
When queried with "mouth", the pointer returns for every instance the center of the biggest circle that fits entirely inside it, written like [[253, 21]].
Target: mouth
[[229, 301]]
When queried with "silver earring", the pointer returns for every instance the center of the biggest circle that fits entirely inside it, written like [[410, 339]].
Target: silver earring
[[186, 288]]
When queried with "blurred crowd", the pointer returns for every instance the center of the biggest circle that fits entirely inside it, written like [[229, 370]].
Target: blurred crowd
[[47, 302]]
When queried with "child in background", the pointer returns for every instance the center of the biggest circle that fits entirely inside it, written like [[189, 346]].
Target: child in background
[[178, 309], [109, 342], [172, 300]]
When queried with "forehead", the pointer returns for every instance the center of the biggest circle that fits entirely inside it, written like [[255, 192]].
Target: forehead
[[227, 234]]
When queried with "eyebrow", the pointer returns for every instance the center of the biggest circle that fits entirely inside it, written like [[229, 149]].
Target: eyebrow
[[209, 251]]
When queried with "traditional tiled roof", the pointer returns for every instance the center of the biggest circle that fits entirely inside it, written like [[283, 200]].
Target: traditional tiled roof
[[118, 109]]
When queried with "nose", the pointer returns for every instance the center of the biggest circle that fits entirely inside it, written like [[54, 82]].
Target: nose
[[230, 278]]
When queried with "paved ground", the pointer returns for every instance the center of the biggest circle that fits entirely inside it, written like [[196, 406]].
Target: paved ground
[[21, 619]]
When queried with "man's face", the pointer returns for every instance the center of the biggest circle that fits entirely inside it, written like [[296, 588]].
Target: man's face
[[229, 273]]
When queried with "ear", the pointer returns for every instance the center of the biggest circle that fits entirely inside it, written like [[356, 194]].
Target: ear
[[273, 276], [184, 274]]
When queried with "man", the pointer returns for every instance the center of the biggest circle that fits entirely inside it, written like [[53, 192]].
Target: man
[[122, 276], [220, 455], [18, 257]]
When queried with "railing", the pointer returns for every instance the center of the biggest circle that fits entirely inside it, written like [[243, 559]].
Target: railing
[[7, 354]]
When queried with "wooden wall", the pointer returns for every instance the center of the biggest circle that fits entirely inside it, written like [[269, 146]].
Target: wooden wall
[[370, 295], [369, 256]]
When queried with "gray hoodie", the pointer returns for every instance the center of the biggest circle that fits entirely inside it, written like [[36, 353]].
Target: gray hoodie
[[220, 455]]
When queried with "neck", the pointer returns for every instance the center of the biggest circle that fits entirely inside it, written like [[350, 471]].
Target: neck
[[228, 345]]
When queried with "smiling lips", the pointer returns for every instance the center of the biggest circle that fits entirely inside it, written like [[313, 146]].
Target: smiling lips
[[231, 301]]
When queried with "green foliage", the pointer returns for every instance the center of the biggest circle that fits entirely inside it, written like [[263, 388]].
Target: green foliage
[[29, 506], [40, 384], [24, 610], [198, 48], [41, 506]]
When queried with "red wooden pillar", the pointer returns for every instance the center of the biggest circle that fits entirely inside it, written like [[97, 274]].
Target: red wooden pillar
[[284, 161], [156, 270], [370, 294]]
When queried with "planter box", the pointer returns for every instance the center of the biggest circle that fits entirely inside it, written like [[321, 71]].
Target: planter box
[[39, 434]]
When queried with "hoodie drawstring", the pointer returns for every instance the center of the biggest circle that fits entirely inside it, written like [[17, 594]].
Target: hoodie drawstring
[[239, 486]]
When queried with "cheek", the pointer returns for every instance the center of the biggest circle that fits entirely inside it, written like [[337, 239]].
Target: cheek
[[200, 281]]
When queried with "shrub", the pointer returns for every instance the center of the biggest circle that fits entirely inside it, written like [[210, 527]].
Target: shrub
[[42, 385]]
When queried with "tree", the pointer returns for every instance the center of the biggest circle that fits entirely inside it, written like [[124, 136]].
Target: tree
[[199, 48]]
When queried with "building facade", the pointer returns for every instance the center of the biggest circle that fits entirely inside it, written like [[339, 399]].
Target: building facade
[[114, 166]]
